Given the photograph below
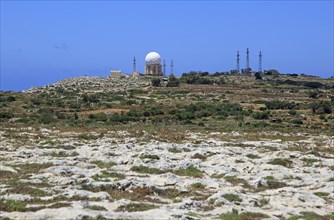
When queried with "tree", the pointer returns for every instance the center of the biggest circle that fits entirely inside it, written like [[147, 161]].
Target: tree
[[155, 82], [313, 94], [173, 81], [258, 76], [271, 72], [322, 107]]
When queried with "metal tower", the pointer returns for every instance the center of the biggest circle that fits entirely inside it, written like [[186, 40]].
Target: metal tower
[[171, 67], [238, 62], [134, 64], [247, 60], [260, 62], [164, 73]]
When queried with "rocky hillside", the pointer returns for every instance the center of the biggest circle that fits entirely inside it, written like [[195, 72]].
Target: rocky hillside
[[216, 147]]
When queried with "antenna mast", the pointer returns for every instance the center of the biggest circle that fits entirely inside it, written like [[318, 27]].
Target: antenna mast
[[171, 67], [164, 73], [247, 60], [260, 62], [134, 64], [238, 62]]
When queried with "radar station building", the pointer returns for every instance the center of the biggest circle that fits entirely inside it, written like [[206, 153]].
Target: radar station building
[[153, 64]]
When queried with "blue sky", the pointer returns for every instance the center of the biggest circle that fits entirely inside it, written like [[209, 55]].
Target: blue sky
[[46, 41]]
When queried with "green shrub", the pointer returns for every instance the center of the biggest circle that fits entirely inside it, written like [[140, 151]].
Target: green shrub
[[6, 115], [12, 206], [234, 215], [322, 117], [199, 156], [281, 161], [322, 107], [276, 104], [261, 115], [296, 121], [47, 119], [135, 207], [189, 171], [102, 164], [313, 94], [232, 197], [197, 186], [156, 82], [252, 156], [145, 169], [173, 81], [98, 117], [150, 156], [292, 112]]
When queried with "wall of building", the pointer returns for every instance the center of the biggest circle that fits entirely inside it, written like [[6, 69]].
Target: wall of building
[[153, 69]]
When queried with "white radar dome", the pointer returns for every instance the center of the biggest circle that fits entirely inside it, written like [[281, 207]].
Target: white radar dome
[[152, 58]]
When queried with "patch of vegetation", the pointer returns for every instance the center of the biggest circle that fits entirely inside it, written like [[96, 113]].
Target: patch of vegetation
[[218, 176], [156, 82], [189, 171], [64, 154], [330, 179], [12, 206], [232, 197], [269, 178], [173, 81], [311, 216], [174, 150], [98, 117], [96, 207], [135, 207], [7, 174], [105, 174], [321, 107], [253, 156], [33, 167], [22, 188], [281, 161], [296, 121], [309, 161], [102, 164], [150, 156], [145, 169], [6, 115], [273, 184], [321, 194], [263, 115], [199, 156], [196, 78], [262, 202], [192, 214], [236, 181], [198, 186], [234, 215], [276, 104]]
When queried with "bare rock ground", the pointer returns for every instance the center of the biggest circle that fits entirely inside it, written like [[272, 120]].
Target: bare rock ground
[[48, 174]]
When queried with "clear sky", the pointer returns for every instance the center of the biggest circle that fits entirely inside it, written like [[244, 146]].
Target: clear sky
[[46, 41]]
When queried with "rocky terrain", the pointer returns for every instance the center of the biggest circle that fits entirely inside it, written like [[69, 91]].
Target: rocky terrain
[[94, 83], [52, 174], [202, 146]]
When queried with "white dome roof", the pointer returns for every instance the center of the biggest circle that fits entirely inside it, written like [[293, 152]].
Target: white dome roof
[[152, 58]]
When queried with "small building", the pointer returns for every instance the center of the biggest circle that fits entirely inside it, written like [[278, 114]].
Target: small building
[[135, 75], [115, 74]]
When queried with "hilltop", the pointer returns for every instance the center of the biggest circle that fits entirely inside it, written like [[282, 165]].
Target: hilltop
[[209, 147]]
